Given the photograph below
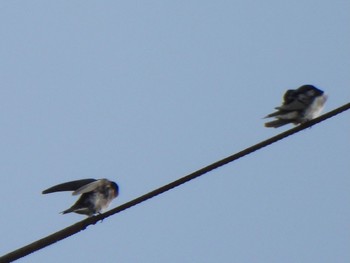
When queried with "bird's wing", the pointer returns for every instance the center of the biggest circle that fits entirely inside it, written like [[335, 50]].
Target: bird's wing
[[90, 187], [300, 102], [69, 186], [292, 101], [301, 98], [294, 105]]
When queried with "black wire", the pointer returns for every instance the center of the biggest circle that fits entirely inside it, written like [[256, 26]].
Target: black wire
[[73, 229]]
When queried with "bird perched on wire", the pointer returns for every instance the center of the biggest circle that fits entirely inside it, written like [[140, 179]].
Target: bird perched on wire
[[299, 106], [96, 195]]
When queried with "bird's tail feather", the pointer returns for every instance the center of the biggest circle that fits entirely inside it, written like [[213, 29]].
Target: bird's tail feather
[[276, 123]]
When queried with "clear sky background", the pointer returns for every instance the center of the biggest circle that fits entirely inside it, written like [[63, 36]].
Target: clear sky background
[[145, 92]]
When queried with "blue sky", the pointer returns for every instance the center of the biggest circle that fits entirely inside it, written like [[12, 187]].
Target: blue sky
[[145, 92]]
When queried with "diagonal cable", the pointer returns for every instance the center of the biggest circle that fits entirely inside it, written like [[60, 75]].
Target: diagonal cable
[[77, 227]]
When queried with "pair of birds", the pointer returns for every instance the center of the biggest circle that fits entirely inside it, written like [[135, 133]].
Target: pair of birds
[[299, 106]]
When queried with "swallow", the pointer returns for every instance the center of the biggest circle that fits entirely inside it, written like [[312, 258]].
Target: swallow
[[96, 195], [299, 106]]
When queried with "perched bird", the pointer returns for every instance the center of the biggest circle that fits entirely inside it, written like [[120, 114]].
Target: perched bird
[[299, 106], [96, 195]]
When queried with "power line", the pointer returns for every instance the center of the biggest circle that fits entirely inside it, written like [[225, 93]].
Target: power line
[[77, 227]]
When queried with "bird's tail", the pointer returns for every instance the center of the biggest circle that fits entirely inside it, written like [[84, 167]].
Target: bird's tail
[[276, 123]]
